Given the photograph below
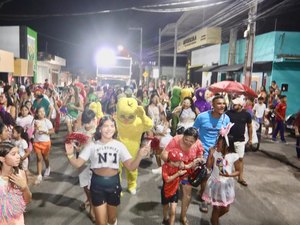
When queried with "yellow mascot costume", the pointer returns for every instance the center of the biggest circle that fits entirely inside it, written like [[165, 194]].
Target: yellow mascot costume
[[132, 122]]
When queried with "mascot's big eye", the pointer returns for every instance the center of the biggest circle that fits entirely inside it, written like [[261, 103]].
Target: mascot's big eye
[[131, 117]]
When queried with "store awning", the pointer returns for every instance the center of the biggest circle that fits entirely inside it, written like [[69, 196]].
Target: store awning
[[232, 68], [262, 66], [23, 68], [257, 67], [208, 68]]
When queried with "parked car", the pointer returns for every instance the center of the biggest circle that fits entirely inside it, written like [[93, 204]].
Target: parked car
[[289, 123]]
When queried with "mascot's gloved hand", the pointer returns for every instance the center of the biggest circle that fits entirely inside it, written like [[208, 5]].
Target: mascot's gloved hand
[[140, 112]]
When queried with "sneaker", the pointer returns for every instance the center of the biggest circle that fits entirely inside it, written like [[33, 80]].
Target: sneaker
[[284, 142], [133, 191], [38, 179], [47, 172], [274, 140], [157, 171]]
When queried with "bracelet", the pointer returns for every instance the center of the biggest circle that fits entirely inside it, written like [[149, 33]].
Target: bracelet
[[70, 156]]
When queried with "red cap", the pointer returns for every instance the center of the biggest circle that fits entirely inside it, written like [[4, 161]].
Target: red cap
[[175, 156], [38, 88]]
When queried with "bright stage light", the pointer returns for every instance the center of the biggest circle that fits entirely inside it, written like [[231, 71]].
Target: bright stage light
[[120, 48], [106, 58]]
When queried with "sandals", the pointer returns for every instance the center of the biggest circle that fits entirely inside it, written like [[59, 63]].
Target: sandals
[[184, 221], [92, 218], [243, 182], [203, 207], [84, 205]]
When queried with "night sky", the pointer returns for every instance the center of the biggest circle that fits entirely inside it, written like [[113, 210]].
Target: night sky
[[77, 38]]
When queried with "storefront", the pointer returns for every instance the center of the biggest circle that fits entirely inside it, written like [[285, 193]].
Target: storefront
[[202, 61], [6, 65], [276, 57], [23, 69], [22, 42], [203, 49], [49, 67]]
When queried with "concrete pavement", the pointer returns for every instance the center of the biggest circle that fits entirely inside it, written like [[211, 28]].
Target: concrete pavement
[[285, 153], [270, 198]]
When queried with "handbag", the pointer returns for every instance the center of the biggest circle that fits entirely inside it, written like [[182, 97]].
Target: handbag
[[198, 175]]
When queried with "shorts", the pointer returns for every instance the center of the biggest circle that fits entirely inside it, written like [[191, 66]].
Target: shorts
[[185, 182], [239, 147], [42, 147], [171, 199], [105, 190], [25, 164]]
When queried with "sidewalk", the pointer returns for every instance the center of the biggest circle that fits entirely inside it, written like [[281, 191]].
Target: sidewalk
[[285, 153]]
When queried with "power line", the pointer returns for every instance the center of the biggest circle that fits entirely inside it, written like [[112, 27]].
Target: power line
[[146, 8]]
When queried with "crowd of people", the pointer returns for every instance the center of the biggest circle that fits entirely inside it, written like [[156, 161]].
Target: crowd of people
[[184, 128]]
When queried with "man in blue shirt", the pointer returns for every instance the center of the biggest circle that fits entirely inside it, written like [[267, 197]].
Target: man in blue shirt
[[209, 124]]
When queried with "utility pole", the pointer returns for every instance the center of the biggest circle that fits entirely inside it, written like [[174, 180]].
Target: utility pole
[[159, 49], [141, 51], [250, 37], [175, 53], [232, 50]]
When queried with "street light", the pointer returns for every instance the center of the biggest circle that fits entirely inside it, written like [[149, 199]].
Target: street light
[[141, 50]]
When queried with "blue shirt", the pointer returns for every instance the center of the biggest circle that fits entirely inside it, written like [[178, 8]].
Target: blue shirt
[[209, 128]]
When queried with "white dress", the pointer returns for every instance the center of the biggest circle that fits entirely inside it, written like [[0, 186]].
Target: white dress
[[219, 190], [164, 140], [187, 118]]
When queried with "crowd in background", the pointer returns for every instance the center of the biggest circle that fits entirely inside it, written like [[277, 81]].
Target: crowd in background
[[30, 114]]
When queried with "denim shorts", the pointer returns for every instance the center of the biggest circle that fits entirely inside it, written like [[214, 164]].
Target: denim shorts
[[105, 190]]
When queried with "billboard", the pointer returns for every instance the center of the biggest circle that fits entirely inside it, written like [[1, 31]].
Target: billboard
[[32, 50], [10, 39]]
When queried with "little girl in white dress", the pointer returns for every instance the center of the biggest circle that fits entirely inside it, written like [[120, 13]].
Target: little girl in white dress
[[219, 189]]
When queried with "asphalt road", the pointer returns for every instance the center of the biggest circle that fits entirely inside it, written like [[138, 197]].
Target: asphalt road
[[272, 196]]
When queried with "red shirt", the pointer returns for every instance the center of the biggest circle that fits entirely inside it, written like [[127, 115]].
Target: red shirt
[[280, 110], [171, 187], [194, 152]]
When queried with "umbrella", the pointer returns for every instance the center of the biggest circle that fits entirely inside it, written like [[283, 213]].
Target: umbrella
[[232, 87]]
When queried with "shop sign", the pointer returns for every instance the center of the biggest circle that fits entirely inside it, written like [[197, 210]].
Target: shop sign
[[205, 36]]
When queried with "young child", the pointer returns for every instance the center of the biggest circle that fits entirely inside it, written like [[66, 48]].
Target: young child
[[88, 128], [4, 133], [20, 140], [41, 143], [14, 191], [169, 191], [219, 190], [105, 154], [162, 138], [25, 120]]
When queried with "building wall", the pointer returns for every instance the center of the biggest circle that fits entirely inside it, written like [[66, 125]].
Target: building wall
[[264, 49], [289, 73], [206, 56], [287, 43], [167, 71]]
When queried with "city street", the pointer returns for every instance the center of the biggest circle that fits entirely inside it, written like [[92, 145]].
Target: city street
[[271, 197]]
